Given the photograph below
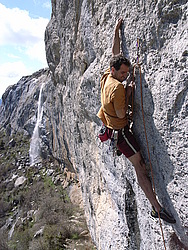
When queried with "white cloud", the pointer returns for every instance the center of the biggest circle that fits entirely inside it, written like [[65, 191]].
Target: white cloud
[[11, 69], [18, 28], [44, 3], [13, 56], [37, 51], [47, 5], [26, 34], [11, 73]]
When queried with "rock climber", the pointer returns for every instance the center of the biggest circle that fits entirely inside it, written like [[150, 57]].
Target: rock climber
[[113, 113]]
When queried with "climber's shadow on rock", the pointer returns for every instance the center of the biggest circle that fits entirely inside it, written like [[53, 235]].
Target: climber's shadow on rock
[[162, 166]]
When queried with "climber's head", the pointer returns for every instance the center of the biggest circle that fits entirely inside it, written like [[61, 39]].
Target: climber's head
[[119, 67]]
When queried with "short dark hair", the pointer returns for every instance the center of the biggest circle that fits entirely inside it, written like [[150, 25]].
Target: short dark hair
[[117, 60]]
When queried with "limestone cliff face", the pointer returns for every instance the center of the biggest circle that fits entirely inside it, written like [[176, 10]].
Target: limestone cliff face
[[78, 47]]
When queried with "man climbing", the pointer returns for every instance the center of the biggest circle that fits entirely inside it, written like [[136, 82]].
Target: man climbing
[[113, 113]]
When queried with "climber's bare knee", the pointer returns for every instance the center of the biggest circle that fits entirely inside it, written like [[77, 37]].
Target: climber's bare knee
[[138, 163]]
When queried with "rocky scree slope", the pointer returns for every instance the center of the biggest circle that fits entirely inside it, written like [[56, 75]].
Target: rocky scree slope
[[35, 209]]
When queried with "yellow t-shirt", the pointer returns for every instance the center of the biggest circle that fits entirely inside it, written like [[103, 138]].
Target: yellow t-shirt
[[112, 98]]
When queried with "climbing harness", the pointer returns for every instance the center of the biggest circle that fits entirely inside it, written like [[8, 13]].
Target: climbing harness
[[140, 74], [103, 133]]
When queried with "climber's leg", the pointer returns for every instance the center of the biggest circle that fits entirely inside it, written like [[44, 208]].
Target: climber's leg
[[143, 179]]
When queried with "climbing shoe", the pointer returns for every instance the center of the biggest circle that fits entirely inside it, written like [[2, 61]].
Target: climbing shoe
[[163, 215]]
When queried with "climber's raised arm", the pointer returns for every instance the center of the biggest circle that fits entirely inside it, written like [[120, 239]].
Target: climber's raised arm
[[116, 39]]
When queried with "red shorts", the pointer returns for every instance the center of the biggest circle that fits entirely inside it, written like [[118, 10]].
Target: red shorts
[[126, 142]]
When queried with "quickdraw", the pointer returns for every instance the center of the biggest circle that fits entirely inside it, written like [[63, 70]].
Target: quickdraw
[[114, 141]]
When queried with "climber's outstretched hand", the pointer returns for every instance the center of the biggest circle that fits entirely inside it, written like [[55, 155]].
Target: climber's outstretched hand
[[116, 39], [118, 25]]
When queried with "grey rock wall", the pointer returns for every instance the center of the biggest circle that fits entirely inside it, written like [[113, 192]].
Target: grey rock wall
[[78, 47], [80, 36]]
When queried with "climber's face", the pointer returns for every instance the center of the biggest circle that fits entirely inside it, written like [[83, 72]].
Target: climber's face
[[120, 74]]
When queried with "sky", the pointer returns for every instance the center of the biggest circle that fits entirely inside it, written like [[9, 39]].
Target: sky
[[22, 48]]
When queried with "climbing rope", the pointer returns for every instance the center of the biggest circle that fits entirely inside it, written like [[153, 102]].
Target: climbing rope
[[153, 183]]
